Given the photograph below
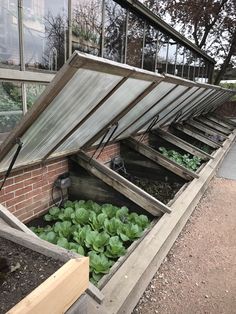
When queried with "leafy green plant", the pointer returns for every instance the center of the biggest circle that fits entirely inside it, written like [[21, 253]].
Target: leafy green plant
[[115, 247], [191, 163], [102, 232]]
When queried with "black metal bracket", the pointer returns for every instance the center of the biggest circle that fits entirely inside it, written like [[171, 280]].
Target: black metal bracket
[[149, 128]]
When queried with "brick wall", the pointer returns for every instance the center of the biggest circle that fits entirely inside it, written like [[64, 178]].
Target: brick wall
[[27, 193], [228, 109], [109, 152]]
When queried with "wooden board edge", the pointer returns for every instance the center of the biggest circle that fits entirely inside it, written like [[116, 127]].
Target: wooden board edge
[[13, 221], [57, 293], [123, 299], [43, 247]]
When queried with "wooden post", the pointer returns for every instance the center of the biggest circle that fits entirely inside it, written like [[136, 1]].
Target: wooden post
[[160, 159], [122, 185]]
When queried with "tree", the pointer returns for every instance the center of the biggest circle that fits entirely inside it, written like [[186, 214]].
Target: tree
[[211, 24]]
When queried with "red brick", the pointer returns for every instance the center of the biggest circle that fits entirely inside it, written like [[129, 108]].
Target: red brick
[[33, 180], [37, 172], [24, 190], [24, 204], [14, 187], [7, 197], [22, 177], [15, 200], [32, 193]]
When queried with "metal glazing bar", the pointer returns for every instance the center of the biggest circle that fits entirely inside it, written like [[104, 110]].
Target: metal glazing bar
[[143, 46], [156, 54], [199, 68], [21, 35], [69, 28], [176, 52], [24, 98], [126, 35], [194, 69], [167, 55], [103, 28], [182, 72]]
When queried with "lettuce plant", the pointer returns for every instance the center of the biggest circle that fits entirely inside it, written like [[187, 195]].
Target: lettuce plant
[[102, 232]]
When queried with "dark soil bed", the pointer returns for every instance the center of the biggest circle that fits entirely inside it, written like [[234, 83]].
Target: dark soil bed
[[163, 191], [31, 269]]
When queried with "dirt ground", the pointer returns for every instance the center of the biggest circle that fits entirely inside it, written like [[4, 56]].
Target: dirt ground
[[199, 274]]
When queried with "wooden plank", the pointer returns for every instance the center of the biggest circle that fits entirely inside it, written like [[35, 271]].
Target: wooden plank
[[13, 222], [43, 247], [204, 128], [57, 293], [223, 119], [122, 185], [173, 139], [127, 285], [160, 159], [213, 125], [219, 122], [197, 135]]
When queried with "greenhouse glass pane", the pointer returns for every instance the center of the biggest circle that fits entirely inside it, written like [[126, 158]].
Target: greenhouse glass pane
[[184, 105], [173, 109], [80, 95], [128, 92], [145, 104], [153, 112], [189, 109], [8, 120]]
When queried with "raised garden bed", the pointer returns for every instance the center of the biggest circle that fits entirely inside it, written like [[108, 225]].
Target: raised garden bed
[[206, 148], [102, 232], [37, 278], [18, 277]]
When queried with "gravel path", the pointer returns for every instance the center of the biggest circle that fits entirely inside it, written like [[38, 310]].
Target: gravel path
[[199, 273]]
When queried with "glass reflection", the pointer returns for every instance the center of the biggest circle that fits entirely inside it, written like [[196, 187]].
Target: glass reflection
[[10, 105], [33, 91], [9, 43], [86, 26], [45, 33], [114, 31], [162, 52], [135, 40], [150, 48]]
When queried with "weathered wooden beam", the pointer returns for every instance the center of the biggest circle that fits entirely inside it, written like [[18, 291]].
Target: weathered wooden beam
[[48, 249], [57, 293], [213, 125], [223, 119], [197, 135], [206, 129], [158, 158], [219, 122], [122, 185], [173, 139]]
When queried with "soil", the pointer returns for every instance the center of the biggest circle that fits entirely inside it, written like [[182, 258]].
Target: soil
[[28, 270], [199, 273], [163, 191]]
